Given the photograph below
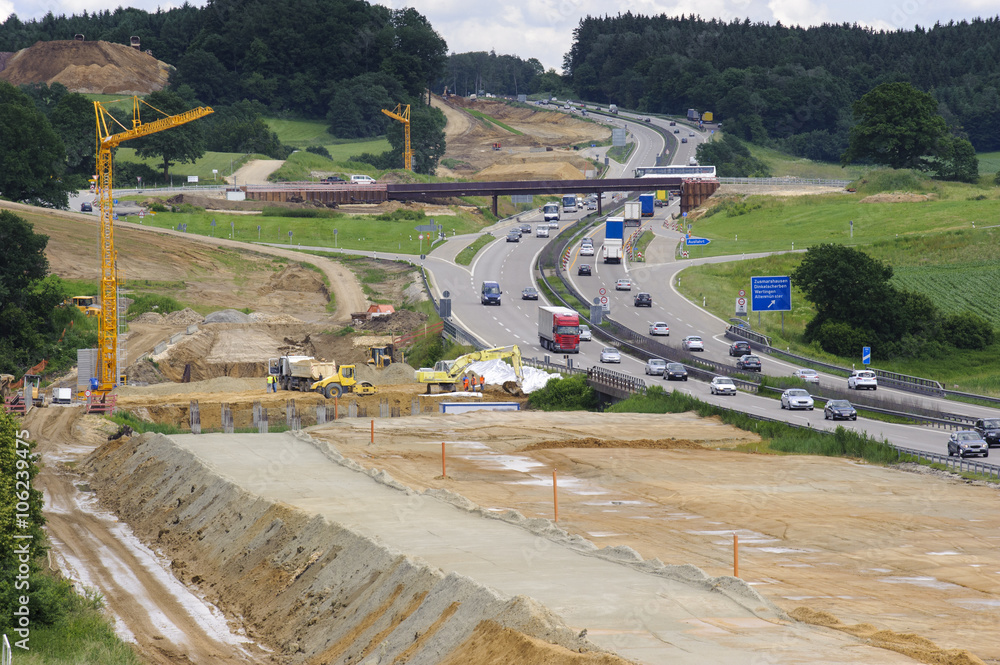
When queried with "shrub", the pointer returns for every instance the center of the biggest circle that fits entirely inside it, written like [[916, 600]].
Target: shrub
[[149, 302], [841, 339], [967, 331], [319, 150], [566, 394], [888, 180]]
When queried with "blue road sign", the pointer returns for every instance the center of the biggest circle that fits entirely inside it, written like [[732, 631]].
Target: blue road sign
[[697, 241], [771, 294], [866, 355]]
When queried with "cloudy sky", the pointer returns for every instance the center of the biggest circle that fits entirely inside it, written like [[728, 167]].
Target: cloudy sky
[[543, 29]]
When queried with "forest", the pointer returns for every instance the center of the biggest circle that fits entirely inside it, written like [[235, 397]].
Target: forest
[[788, 87]]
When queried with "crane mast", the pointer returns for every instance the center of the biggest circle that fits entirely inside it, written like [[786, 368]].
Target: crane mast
[[108, 323], [402, 114]]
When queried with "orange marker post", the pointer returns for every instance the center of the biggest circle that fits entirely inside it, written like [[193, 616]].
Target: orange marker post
[[736, 555], [373, 430], [555, 496], [444, 471]]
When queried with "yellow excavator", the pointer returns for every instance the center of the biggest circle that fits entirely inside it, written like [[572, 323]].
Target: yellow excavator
[[447, 373]]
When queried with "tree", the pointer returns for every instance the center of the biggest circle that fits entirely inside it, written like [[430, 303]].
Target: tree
[[32, 157], [180, 144], [73, 120], [897, 126], [731, 158], [956, 160]]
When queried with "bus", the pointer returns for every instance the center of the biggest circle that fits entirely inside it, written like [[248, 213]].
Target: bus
[[569, 203], [677, 171]]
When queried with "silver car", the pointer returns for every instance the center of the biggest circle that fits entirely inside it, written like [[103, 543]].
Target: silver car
[[585, 334], [655, 366], [796, 398], [610, 355], [807, 375], [692, 343], [967, 443], [722, 385]]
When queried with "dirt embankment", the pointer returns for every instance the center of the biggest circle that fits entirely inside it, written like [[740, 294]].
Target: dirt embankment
[[88, 67], [314, 591]]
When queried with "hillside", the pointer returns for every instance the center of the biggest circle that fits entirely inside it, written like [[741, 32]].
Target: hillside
[[87, 67]]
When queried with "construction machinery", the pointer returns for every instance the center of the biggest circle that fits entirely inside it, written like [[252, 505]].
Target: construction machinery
[[86, 304], [299, 372], [112, 316], [402, 114], [380, 357], [6, 380], [33, 389], [447, 373], [343, 382]]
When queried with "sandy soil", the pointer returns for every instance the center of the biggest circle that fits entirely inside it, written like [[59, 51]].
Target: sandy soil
[[255, 172], [831, 540], [167, 624]]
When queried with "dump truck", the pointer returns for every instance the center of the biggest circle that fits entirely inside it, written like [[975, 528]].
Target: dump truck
[[614, 233], [559, 329], [86, 304], [299, 372], [446, 374]]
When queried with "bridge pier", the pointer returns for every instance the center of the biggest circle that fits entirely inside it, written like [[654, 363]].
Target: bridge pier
[[495, 197]]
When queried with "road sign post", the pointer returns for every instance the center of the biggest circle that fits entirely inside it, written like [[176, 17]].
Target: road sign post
[[866, 355]]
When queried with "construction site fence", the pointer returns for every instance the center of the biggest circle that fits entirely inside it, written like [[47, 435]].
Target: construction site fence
[[784, 182]]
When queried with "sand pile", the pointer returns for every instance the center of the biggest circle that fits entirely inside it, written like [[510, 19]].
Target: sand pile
[[88, 67], [184, 317], [296, 278], [227, 316]]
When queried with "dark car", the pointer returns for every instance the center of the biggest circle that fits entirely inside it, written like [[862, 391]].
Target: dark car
[[514, 236], [739, 349], [675, 372], [748, 364], [839, 409], [967, 443], [86, 207], [333, 178], [643, 300], [584, 269], [989, 429], [672, 123], [529, 293], [525, 228]]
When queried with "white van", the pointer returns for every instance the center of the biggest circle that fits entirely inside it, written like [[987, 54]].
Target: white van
[[362, 180]]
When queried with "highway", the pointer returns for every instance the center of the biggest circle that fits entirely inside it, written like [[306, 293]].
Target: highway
[[515, 320]]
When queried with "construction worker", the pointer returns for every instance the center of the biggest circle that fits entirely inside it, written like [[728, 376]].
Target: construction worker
[[482, 382], [272, 383], [465, 383]]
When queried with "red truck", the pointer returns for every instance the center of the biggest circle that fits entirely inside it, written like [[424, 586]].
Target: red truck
[[559, 329]]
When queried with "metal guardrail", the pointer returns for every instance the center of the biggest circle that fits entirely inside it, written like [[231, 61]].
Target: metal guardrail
[[956, 463], [616, 380], [787, 182], [554, 367], [984, 398]]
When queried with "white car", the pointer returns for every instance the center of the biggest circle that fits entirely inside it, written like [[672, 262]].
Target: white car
[[542, 231], [610, 355], [807, 375], [586, 250], [722, 385], [623, 285], [692, 343], [655, 366], [585, 334], [659, 328], [862, 378], [554, 224], [796, 398]]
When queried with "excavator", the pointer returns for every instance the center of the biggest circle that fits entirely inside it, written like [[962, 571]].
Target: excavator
[[447, 373]]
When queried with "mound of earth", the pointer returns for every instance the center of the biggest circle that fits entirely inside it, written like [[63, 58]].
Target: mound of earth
[[295, 278], [897, 197], [88, 67], [551, 166]]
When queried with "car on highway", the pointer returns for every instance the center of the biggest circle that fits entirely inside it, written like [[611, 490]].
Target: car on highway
[[966, 443], [333, 178], [554, 224], [645, 120], [609, 354], [584, 269], [529, 293], [807, 375], [514, 236], [862, 378], [692, 343], [675, 372], [748, 364], [690, 133], [585, 334], [525, 228], [672, 123], [591, 205], [86, 207], [623, 285], [839, 409], [989, 429], [642, 299], [656, 366], [739, 349], [542, 231], [796, 398], [677, 131], [659, 328], [586, 250], [722, 385], [684, 140]]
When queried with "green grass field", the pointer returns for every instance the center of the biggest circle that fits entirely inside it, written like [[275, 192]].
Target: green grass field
[[783, 164], [492, 120], [989, 163], [301, 134], [223, 162]]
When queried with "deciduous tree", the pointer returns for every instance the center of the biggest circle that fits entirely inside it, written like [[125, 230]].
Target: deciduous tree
[[32, 156]]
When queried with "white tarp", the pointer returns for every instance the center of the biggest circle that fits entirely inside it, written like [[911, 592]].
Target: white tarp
[[497, 371]]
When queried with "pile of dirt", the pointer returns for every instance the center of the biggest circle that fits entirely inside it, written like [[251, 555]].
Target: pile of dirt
[[184, 317], [88, 67], [898, 197], [227, 316], [547, 170], [154, 318], [591, 442], [400, 321], [296, 278]]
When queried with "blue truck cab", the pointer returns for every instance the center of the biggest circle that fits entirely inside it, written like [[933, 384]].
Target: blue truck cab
[[490, 294]]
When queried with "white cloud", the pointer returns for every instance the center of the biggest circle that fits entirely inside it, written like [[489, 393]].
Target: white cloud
[[799, 12]]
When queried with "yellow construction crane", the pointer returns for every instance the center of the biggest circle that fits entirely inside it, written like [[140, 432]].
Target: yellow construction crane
[[107, 335], [402, 113]]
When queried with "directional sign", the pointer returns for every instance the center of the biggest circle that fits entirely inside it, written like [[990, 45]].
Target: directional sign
[[696, 241], [771, 294], [866, 355]]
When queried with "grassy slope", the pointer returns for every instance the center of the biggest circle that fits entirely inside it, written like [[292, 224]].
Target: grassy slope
[[782, 164]]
